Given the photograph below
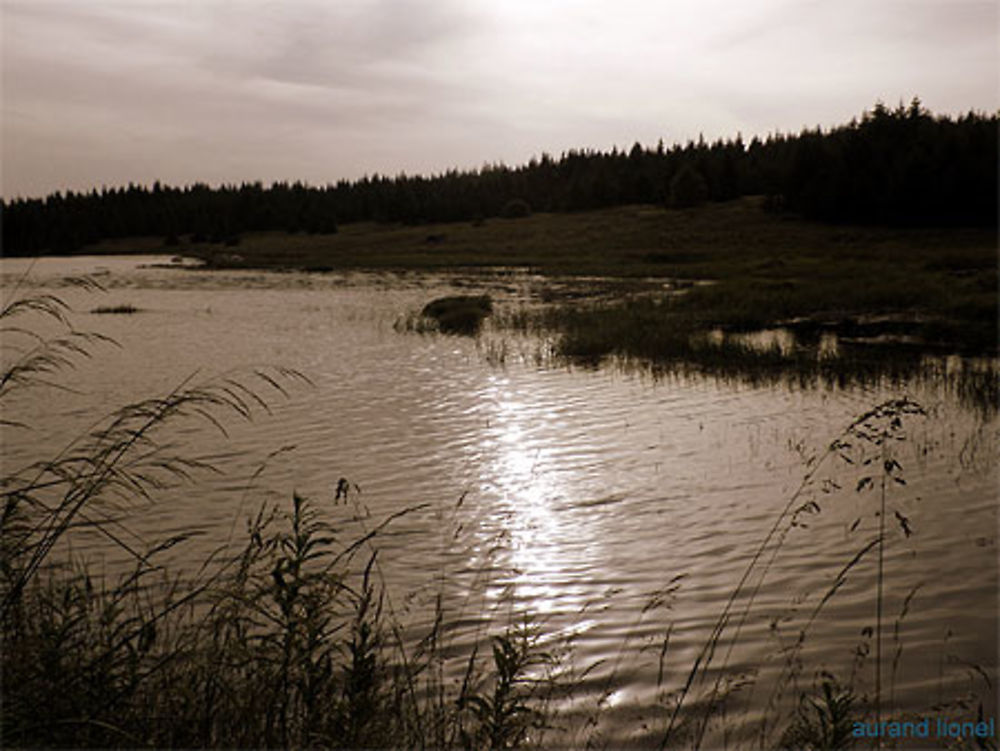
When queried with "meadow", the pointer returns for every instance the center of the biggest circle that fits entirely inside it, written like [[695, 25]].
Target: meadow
[[750, 269]]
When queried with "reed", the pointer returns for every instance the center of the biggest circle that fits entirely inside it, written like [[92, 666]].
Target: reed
[[671, 336]]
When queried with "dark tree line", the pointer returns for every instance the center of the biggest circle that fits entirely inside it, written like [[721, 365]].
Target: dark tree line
[[900, 166]]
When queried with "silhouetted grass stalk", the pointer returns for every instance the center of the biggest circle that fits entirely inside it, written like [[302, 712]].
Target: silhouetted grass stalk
[[888, 417]]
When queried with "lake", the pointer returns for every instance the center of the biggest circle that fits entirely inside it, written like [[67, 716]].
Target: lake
[[617, 511]]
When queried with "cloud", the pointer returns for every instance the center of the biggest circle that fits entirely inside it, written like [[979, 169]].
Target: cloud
[[110, 91], [196, 82]]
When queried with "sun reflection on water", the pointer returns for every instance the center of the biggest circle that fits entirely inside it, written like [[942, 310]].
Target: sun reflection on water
[[543, 541]]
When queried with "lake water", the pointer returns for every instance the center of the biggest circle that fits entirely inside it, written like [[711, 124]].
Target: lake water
[[608, 506]]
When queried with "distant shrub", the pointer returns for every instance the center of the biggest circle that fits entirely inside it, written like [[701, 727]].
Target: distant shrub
[[516, 208], [321, 224]]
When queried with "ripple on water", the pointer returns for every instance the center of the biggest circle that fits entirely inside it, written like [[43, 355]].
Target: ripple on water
[[572, 495]]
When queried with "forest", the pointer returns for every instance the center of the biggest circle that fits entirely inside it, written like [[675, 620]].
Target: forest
[[902, 166]]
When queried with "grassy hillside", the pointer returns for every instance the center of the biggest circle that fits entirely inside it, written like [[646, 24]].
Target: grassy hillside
[[711, 241], [940, 284]]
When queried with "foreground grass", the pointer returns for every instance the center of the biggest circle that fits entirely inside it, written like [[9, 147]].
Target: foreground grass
[[284, 645], [291, 641]]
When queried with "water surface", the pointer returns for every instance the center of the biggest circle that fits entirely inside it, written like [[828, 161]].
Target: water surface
[[610, 507]]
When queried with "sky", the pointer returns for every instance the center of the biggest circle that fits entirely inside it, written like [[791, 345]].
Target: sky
[[106, 92]]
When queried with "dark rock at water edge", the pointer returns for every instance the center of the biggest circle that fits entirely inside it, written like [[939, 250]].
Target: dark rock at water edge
[[459, 314]]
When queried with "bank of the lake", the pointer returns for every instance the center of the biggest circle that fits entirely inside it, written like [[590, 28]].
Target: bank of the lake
[[765, 268]]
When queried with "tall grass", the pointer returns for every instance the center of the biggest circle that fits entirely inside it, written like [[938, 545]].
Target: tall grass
[[284, 645]]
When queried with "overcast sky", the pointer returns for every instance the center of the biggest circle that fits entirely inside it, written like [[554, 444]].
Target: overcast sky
[[104, 92]]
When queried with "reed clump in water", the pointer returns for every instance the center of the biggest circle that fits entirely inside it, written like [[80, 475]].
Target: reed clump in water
[[672, 335]]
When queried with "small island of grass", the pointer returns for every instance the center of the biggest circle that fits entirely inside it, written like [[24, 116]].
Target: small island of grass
[[124, 309]]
